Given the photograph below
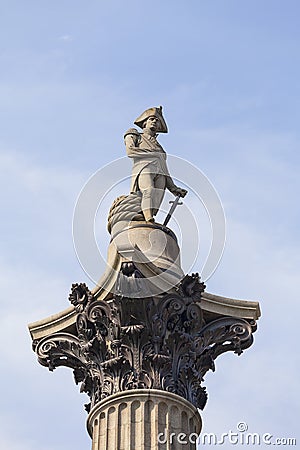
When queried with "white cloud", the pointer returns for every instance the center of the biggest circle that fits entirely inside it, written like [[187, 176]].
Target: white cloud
[[66, 38]]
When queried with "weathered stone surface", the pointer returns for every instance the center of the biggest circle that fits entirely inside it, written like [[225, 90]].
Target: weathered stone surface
[[213, 306], [161, 342]]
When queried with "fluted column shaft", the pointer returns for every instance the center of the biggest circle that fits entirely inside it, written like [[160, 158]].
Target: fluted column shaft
[[144, 420]]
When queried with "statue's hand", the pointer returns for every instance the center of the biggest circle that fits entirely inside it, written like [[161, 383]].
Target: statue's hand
[[179, 191]]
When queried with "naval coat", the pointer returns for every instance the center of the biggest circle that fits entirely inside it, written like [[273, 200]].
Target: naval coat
[[147, 155]]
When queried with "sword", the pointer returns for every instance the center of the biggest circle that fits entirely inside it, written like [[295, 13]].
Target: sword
[[174, 203]]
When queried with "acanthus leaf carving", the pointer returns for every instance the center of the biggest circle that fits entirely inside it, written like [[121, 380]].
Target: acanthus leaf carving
[[161, 343]]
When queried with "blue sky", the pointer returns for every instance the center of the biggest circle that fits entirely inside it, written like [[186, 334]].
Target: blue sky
[[73, 77]]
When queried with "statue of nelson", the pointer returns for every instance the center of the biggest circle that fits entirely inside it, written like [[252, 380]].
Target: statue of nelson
[[150, 174]]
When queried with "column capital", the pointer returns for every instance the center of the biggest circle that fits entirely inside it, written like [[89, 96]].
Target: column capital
[[163, 343]]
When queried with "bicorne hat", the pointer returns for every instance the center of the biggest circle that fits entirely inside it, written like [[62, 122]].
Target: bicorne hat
[[156, 112]]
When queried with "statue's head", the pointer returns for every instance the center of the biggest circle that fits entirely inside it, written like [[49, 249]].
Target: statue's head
[[152, 118], [152, 123]]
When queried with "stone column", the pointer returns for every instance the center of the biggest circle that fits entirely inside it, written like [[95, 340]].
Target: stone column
[[144, 419], [142, 363], [142, 341]]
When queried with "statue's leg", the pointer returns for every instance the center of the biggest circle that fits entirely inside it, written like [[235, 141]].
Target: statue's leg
[[147, 188], [160, 187]]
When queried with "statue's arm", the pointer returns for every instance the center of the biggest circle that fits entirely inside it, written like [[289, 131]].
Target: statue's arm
[[132, 150], [171, 186]]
